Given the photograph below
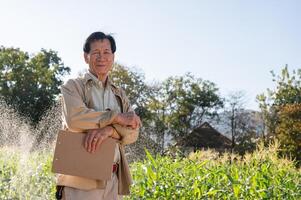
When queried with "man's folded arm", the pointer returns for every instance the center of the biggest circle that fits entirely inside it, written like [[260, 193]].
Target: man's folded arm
[[127, 135], [115, 134], [77, 116]]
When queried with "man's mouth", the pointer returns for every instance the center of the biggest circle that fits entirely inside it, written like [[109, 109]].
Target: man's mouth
[[100, 65]]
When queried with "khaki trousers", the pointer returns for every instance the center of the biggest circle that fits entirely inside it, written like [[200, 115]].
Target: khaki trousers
[[109, 193]]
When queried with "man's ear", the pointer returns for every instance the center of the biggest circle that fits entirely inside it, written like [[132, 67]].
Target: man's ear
[[86, 56]]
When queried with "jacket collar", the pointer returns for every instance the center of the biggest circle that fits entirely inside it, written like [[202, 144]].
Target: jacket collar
[[89, 77]]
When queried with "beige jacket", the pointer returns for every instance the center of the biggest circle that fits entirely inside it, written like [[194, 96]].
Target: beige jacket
[[79, 116]]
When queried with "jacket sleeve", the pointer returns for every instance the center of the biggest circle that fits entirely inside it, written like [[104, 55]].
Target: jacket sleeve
[[76, 115], [128, 135]]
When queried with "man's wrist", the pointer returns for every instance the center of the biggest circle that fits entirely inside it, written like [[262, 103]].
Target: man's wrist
[[116, 119], [110, 130], [115, 133]]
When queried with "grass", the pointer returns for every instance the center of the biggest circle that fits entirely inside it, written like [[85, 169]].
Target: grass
[[202, 175]]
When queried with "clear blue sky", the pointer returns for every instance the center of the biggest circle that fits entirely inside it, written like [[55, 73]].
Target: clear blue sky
[[231, 43]]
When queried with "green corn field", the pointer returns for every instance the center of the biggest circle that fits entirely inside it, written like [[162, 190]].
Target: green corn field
[[201, 175]]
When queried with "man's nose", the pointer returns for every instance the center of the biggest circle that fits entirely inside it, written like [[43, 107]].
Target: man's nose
[[100, 57]]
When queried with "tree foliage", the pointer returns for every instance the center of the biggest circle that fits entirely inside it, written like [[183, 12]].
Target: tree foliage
[[133, 82], [30, 83], [282, 111], [187, 101], [142, 97], [289, 129], [174, 106]]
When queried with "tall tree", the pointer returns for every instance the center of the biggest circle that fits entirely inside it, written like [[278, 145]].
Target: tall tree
[[158, 112], [30, 84], [133, 82], [235, 114], [188, 100], [143, 98], [289, 129], [281, 107]]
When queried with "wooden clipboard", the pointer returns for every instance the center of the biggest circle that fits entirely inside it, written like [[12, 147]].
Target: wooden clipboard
[[71, 158]]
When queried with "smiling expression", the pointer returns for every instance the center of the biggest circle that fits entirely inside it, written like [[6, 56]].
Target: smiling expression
[[100, 58]]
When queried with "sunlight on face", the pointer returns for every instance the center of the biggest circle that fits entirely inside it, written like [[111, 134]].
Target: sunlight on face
[[100, 58]]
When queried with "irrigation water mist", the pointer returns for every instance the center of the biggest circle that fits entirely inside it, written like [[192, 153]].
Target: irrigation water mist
[[18, 133], [20, 142], [26, 153]]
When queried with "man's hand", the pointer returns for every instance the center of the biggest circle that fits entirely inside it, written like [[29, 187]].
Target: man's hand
[[95, 137], [129, 119]]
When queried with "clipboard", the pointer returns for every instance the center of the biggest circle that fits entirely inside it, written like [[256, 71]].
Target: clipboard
[[71, 158]]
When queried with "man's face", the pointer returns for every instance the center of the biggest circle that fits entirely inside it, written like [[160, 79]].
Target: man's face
[[100, 58]]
